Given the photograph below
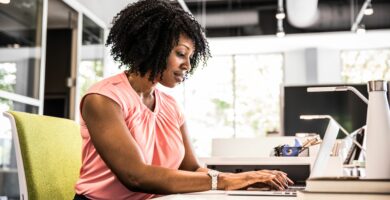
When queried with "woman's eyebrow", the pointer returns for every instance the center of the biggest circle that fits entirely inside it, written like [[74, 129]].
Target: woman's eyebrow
[[185, 46]]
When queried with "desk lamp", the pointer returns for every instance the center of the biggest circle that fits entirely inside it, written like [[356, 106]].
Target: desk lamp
[[337, 89], [377, 135], [328, 141]]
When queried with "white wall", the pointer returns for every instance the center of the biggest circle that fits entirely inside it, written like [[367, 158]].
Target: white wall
[[294, 67], [309, 58], [329, 65]]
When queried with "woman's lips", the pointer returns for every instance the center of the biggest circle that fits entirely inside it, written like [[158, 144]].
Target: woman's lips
[[179, 77]]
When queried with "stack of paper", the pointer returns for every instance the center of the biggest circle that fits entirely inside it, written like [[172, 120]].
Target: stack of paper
[[345, 188]]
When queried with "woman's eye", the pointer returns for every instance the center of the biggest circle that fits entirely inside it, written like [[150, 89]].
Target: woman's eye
[[180, 54]]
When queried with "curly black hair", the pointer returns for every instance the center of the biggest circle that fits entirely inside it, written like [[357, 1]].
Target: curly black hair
[[145, 32]]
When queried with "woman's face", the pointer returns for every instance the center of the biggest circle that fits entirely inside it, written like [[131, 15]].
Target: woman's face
[[178, 63]]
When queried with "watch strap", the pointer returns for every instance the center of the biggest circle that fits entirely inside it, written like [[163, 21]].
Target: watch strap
[[214, 178]]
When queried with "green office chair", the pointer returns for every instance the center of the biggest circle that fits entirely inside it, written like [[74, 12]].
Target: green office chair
[[48, 155]]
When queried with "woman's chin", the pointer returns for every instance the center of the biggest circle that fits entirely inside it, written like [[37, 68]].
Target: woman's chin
[[170, 85]]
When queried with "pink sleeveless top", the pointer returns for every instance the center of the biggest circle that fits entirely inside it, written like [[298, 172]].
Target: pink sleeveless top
[[157, 134]]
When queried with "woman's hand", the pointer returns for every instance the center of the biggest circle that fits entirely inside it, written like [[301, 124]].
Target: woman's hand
[[267, 178], [281, 179]]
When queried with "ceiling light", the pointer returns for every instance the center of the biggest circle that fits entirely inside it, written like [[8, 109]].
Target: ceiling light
[[280, 14], [360, 15], [5, 1], [369, 10], [280, 33], [361, 29]]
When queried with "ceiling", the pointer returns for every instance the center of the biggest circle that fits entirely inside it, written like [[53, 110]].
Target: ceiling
[[257, 17], [222, 18], [105, 9]]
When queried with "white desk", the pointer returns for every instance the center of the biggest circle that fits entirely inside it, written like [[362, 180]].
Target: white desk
[[220, 195]]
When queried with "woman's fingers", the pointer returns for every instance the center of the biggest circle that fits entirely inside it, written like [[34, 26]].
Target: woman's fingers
[[260, 185], [279, 178], [290, 181], [270, 179], [285, 177], [274, 179], [275, 184]]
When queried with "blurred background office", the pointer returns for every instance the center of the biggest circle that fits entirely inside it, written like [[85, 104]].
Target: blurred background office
[[51, 51]]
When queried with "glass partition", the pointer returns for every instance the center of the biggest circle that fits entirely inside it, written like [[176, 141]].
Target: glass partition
[[20, 59], [21, 37], [92, 55], [20, 46], [5, 134], [9, 185]]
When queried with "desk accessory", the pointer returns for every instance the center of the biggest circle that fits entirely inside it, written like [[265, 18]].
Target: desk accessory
[[378, 127], [340, 188], [306, 195], [286, 150], [378, 131], [327, 143], [354, 152], [348, 184]]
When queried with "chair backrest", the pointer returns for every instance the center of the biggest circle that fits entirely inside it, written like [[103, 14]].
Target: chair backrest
[[48, 155]]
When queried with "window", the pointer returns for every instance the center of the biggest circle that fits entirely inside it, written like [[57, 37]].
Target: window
[[90, 72], [8, 76], [209, 102], [233, 96], [21, 54], [258, 81], [360, 66], [92, 55]]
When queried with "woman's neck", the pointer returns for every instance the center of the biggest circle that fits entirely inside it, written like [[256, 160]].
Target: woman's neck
[[141, 85]]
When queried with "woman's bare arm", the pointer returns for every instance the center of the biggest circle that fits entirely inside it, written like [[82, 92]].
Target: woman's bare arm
[[190, 162], [112, 140]]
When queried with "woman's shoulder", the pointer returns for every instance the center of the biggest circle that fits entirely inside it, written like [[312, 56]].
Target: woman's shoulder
[[111, 81], [115, 88]]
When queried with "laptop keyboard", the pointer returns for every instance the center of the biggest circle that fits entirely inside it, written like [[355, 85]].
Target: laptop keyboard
[[292, 190], [295, 188]]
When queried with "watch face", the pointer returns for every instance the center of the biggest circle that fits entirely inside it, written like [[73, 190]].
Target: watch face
[[213, 173], [214, 178]]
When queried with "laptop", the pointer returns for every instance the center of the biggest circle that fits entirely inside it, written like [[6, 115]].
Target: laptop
[[291, 191], [316, 171]]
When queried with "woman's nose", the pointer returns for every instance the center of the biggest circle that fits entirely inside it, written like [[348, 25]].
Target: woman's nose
[[187, 65]]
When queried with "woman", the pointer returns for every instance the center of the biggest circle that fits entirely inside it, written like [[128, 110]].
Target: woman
[[135, 140]]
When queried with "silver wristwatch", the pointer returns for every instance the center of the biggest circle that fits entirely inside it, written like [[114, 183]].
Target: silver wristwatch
[[214, 178]]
